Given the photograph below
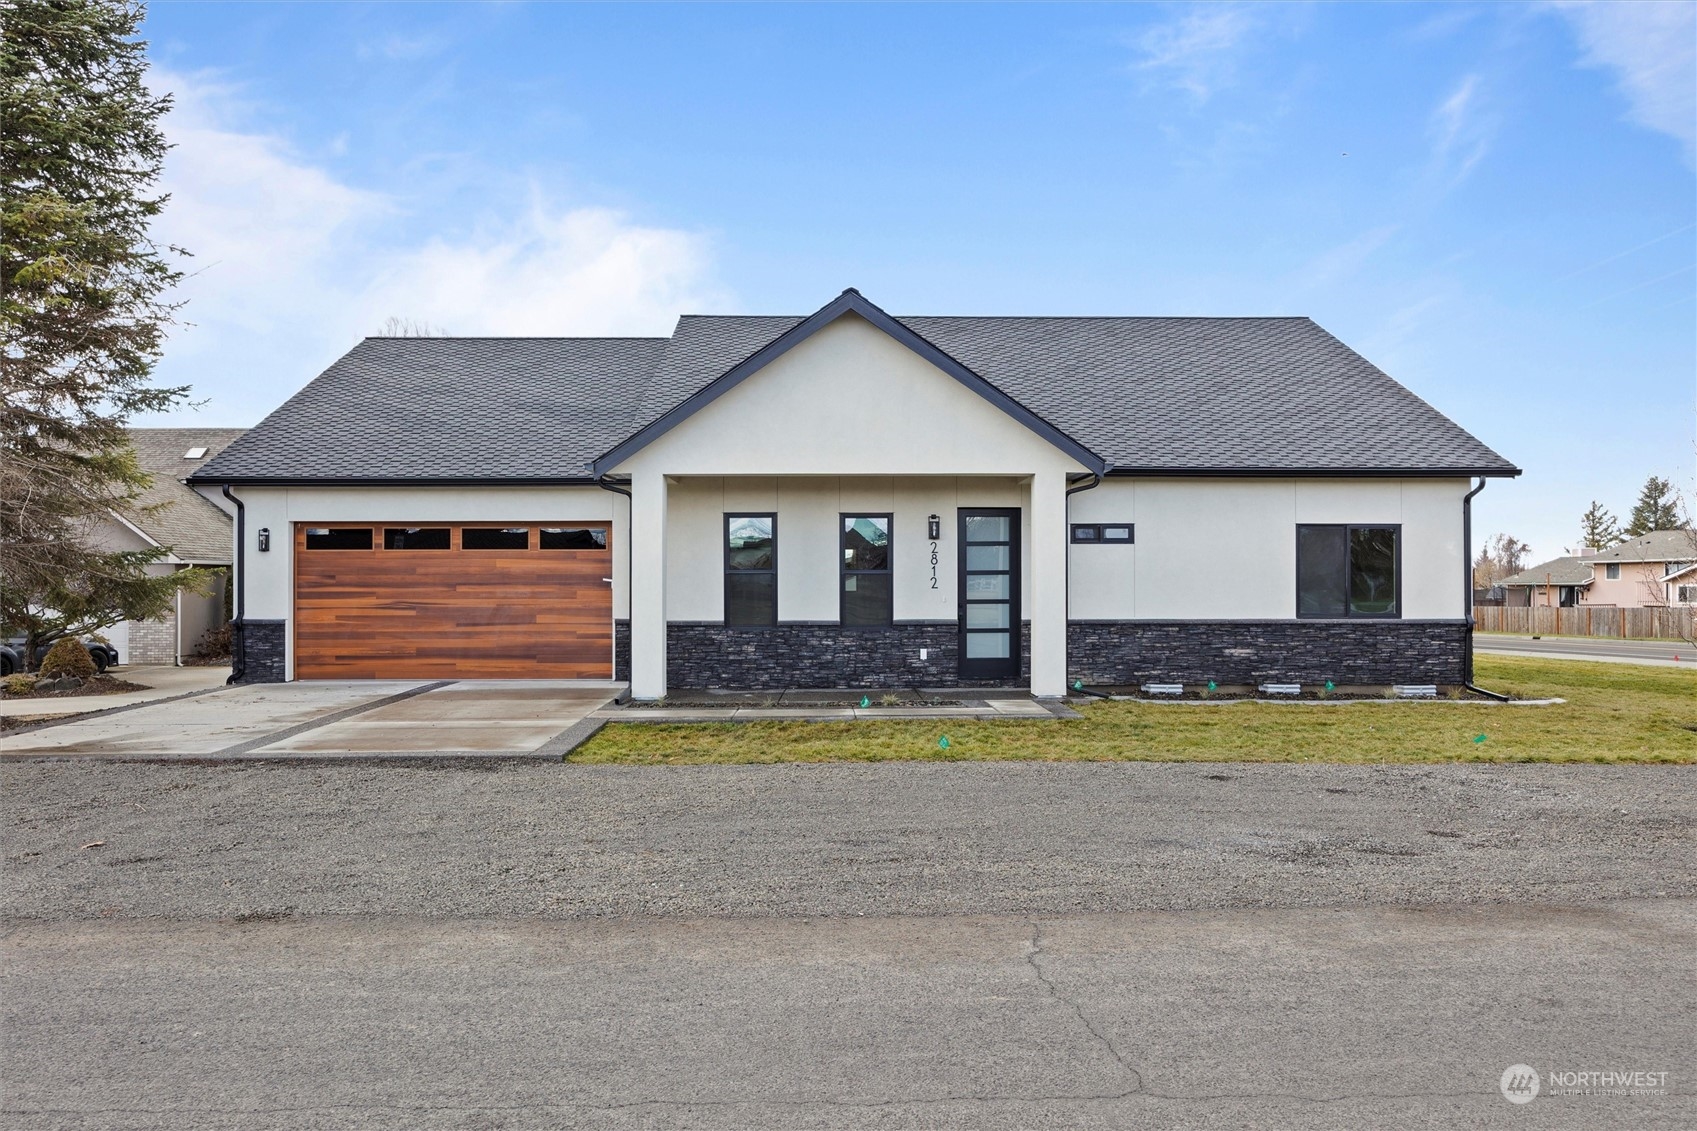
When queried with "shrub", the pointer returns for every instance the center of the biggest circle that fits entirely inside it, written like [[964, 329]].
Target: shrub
[[19, 684], [67, 657], [215, 643]]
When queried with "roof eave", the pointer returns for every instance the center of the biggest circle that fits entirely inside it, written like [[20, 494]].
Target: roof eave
[[396, 481], [1320, 472]]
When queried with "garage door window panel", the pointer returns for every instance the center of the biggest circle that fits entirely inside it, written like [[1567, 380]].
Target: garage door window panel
[[338, 538], [572, 538], [416, 538], [495, 538]]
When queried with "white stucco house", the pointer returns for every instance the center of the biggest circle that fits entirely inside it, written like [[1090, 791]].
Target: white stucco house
[[850, 499]]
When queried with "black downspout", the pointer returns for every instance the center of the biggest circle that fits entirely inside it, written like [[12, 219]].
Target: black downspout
[[1095, 480], [1467, 591], [606, 484], [238, 654]]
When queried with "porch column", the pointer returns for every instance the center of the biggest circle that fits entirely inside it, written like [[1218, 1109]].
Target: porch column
[[1046, 558], [648, 585]]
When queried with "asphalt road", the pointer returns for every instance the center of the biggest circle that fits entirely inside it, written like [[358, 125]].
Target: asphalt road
[[842, 946], [1590, 648]]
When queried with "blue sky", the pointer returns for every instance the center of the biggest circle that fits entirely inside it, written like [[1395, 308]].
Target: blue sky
[[1494, 203]]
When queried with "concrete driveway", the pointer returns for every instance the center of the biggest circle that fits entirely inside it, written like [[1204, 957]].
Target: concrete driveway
[[329, 719]]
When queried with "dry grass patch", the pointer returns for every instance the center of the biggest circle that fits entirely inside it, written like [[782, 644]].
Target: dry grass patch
[[1613, 713]]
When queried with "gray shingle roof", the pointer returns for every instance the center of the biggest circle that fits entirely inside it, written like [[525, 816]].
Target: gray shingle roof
[[1556, 571], [1657, 546], [451, 408], [170, 512], [1181, 395]]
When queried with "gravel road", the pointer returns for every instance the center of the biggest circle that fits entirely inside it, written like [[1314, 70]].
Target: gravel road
[[269, 948], [570, 842]]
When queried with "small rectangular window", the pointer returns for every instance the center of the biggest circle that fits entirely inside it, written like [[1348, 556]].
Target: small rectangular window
[[495, 538], [1347, 571], [415, 538], [338, 538], [1612, 571], [573, 538], [867, 594], [1096, 533], [1688, 594], [751, 569]]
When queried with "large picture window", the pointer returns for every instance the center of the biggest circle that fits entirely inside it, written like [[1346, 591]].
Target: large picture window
[[866, 592], [1348, 571], [751, 569]]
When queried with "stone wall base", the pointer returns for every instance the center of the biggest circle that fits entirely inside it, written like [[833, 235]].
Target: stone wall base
[[261, 650], [705, 655], [1250, 652]]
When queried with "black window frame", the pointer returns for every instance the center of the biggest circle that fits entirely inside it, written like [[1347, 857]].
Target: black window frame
[[843, 571], [1096, 534], [725, 550], [1349, 528]]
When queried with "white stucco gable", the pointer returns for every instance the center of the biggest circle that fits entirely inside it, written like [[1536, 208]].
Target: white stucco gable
[[850, 399]]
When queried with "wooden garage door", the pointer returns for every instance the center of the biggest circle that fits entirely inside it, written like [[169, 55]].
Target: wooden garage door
[[453, 600]]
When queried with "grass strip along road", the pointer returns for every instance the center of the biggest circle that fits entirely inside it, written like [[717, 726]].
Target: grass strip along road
[[1614, 713]]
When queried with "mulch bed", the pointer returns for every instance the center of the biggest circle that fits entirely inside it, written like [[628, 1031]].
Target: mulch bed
[[99, 685]]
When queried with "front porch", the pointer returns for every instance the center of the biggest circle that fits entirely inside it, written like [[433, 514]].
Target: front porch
[[874, 583]]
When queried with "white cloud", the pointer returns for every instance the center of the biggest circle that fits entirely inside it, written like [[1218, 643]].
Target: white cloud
[[1652, 48], [547, 272], [1461, 131], [292, 265], [1197, 52]]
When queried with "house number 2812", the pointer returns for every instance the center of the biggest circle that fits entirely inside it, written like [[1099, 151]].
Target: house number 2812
[[933, 565]]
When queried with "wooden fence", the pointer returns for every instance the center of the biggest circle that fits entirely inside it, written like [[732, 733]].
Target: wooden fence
[[1632, 624]]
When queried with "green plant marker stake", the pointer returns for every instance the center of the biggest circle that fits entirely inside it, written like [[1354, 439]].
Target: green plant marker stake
[[1078, 685], [866, 700], [1212, 686], [1330, 686], [1478, 738], [943, 743]]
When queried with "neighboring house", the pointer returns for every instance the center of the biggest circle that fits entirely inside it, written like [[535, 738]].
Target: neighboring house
[[1651, 571], [1556, 583], [852, 499], [194, 529]]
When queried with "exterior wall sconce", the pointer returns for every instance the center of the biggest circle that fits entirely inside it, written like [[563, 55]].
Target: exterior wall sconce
[[264, 539], [936, 527]]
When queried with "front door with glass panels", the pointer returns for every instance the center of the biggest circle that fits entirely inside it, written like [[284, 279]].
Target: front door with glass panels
[[989, 593]]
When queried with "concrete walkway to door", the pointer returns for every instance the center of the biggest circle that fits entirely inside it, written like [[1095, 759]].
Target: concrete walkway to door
[[314, 721]]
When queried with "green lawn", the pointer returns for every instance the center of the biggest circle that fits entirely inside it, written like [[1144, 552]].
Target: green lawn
[[1613, 713]]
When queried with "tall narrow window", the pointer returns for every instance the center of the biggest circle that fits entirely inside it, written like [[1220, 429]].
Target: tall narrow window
[[866, 590], [1348, 571], [751, 569]]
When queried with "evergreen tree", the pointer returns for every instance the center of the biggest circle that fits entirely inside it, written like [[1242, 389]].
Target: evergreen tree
[[1598, 528], [83, 311], [1657, 508]]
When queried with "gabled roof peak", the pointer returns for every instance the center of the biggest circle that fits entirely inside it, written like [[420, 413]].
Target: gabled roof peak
[[850, 301]]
